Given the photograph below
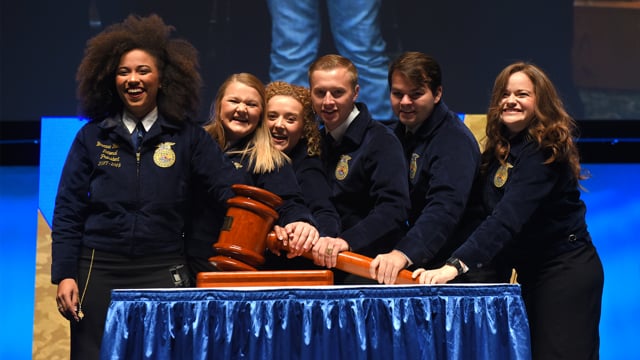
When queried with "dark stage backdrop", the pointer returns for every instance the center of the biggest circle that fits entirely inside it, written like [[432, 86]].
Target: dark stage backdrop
[[590, 49], [587, 48]]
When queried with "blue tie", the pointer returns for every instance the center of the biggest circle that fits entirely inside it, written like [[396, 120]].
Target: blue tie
[[137, 135]]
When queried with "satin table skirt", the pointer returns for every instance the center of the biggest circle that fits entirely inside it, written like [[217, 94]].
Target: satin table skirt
[[349, 322]]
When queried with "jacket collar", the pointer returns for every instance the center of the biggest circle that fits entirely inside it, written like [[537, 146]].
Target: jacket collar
[[358, 127], [434, 121], [114, 124]]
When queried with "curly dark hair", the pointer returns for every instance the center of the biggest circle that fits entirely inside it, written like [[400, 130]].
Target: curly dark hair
[[310, 131], [551, 127], [177, 61]]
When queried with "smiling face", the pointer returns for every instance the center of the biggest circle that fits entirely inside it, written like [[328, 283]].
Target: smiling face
[[286, 121], [333, 95], [240, 111], [138, 81], [412, 103], [518, 103]]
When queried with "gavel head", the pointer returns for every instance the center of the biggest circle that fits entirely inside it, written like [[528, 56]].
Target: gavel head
[[250, 217]]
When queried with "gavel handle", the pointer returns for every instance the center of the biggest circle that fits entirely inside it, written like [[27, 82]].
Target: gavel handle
[[347, 261]]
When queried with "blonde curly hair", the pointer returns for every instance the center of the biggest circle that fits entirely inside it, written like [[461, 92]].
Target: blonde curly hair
[[310, 131]]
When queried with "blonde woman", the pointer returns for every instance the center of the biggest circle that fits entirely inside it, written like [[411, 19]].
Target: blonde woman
[[237, 124]]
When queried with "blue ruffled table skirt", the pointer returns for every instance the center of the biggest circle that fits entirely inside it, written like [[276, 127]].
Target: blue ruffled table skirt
[[368, 322]]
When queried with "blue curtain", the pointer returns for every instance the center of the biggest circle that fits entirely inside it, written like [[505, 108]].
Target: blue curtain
[[376, 322]]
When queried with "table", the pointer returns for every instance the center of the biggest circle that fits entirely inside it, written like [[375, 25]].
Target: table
[[348, 322]]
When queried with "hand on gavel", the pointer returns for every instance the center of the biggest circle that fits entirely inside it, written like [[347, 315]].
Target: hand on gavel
[[335, 252], [325, 251], [385, 267], [298, 237], [251, 216]]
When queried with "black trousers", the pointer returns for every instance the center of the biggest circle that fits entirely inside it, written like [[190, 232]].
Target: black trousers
[[113, 271], [563, 300]]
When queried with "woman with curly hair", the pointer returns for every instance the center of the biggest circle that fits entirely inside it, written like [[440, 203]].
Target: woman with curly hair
[[127, 185], [238, 124], [535, 218], [295, 132]]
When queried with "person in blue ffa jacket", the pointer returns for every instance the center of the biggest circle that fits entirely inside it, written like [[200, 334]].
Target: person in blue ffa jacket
[[237, 124], [123, 201], [295, 132], [535, 218], [443, 159], [365, 165]]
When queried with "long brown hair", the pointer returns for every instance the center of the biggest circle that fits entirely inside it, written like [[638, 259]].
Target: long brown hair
[[551, 126], [259, 149]]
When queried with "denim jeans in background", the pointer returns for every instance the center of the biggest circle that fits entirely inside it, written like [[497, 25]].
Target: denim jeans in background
[[355, 25]]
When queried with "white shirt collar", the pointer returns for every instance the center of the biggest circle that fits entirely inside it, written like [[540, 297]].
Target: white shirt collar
[[130, 121], [338, 132]]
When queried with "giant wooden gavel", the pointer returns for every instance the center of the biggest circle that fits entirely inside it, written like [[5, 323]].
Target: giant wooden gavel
[[247, 232]]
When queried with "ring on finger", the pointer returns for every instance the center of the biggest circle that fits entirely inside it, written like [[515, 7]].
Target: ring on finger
[[329, 251]]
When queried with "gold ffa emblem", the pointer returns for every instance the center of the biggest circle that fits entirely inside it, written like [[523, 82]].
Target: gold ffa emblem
[[501, 175], [413, 166], [237, 165], [342, 169], [164, 156]]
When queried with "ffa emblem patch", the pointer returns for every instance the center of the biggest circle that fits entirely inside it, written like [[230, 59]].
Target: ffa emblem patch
[[237, 165], [164, 156], [502, 175], [342, 169], [413, 166]]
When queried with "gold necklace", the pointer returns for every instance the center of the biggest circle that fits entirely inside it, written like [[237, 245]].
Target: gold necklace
[[86, 284]]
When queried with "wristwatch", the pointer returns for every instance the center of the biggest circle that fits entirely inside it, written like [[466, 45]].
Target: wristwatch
[[456, 263]]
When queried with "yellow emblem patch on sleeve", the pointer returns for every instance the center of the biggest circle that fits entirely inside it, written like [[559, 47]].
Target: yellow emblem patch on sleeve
[[164, 156], [342, 169]]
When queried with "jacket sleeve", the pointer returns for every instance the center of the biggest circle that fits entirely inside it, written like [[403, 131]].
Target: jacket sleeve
[[390, 189], [71, 209], [283, 183], [529, 183], [317, 196], [452, 166], [213, 168]]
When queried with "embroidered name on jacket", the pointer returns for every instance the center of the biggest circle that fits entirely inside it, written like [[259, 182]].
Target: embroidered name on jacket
[[109, 155]]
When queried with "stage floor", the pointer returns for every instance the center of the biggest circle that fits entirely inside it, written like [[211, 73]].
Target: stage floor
[[613, 202]]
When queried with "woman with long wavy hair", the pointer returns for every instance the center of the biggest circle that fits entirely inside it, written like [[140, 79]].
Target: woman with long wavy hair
[[535, 219]]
